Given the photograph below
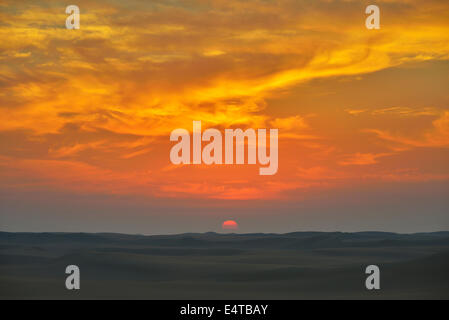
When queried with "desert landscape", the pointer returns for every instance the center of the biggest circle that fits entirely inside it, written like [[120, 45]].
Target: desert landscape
[[299, 265]]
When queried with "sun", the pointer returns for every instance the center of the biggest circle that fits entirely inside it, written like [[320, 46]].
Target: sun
[[229, 225]]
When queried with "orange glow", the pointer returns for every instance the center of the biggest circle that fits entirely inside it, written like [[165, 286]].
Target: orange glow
[[91, 110]]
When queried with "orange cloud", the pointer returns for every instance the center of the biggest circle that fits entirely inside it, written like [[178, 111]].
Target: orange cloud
[[362, 158], [438, 136], [92, 109]]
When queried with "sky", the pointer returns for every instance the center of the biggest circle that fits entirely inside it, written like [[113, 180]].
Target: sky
[[363, 115]]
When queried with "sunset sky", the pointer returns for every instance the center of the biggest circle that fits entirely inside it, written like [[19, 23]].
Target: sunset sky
[[363, 115]]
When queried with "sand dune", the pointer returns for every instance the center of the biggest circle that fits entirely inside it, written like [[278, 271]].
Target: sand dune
[[300, 265]]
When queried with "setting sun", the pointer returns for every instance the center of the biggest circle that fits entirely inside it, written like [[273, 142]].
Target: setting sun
[[230, 225]]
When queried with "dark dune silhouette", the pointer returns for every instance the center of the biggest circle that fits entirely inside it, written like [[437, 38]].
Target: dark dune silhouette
[[298, 265]]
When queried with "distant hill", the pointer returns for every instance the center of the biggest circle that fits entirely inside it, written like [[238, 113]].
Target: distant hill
[[294, 240]]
